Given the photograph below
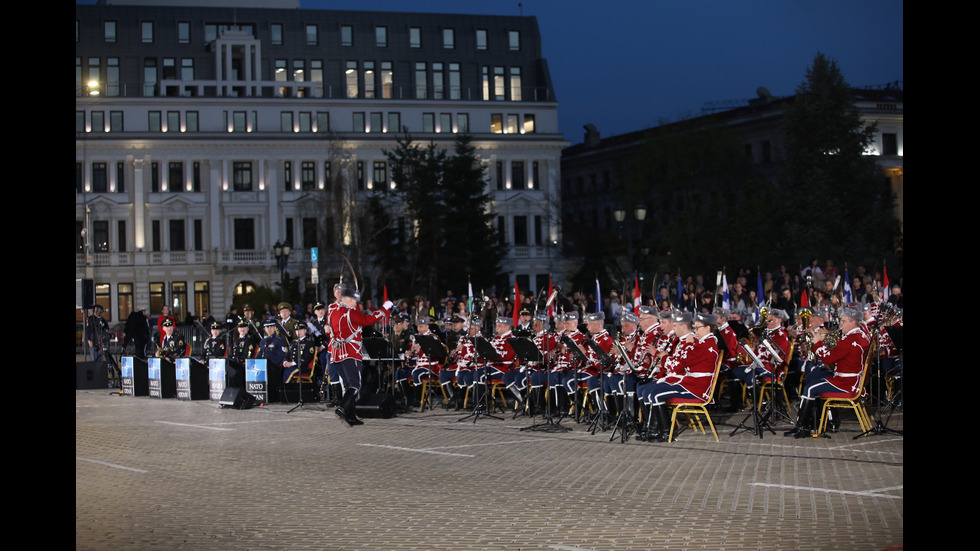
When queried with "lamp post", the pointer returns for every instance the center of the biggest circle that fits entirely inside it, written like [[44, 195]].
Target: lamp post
[[639, 214], [281, 252]]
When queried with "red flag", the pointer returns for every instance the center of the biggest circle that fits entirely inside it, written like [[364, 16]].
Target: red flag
[[884, 283], [804, 302], [551, 309], [636, 294], [388, 313], [517, 305]]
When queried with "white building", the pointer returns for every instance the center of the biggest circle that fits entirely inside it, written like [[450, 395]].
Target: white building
[[205, 135]]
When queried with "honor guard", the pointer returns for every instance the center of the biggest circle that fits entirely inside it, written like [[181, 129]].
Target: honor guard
[[244, 347], [317, 328], [425, 366], [507, 369]]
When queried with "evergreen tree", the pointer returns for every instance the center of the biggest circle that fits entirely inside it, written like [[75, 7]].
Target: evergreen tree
[[840, 203], [449, 236]]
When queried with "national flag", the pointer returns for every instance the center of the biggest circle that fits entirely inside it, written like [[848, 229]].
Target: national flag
[[598, 296], [469, 298], [847, 288], [726, 297], [636, 293], [551, 309], [388, 313], [517, 305], [760, 296], [887, 291]]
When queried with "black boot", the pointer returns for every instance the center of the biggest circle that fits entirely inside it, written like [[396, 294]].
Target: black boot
[[660, 416]]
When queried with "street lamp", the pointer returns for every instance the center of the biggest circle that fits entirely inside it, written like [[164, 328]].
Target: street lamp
[[639, 213], [281, 252]]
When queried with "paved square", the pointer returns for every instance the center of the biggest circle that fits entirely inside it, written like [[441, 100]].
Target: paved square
[[172, 475]]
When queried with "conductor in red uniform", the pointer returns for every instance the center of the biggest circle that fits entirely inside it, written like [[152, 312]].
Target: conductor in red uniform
[[346, 324]]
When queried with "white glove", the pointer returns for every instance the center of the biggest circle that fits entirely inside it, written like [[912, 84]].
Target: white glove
[[387, 305]]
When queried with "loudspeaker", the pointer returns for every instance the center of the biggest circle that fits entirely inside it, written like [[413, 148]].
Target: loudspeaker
[[379, 405], [236, 398], [91, 375], [84, 293]]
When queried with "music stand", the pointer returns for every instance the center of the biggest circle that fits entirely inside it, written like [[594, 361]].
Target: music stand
[[381, 350], [897, 336], [627, 425], [759, 423], [604, 362], [526, 351], [578, 358], [548, 424], [486, 352]]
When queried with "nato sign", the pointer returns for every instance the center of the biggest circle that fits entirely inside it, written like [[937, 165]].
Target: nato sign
[[256, 379], [216, 377]]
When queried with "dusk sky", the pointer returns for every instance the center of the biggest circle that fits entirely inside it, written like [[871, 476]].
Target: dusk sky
[[625, 65]]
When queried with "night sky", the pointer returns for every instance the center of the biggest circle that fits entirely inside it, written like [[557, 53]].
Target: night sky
[[625, 65]]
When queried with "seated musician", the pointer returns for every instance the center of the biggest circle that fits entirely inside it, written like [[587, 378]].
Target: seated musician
[[622, 381], [273, 349], [216, 346], [463, 358], [545, 341], [244, 347], [425, 366], [453, 339], [841, 370], [776, 335], [690, 369], [565, 370], [173, 344], [302, 351], [593, 370], [505, 370]]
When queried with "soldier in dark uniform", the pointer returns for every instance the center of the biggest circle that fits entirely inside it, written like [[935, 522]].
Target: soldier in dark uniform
[[245, 347], [287, 322], [216, 346], [273, 349], [173, 345], [318, 328], [301, 353], [96, 333]]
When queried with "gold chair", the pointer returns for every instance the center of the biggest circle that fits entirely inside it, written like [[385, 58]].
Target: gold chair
[[848, 400], [693, 408]]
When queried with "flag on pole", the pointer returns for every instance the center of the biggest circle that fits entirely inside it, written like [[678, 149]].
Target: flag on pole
[[680, 291], [388, 313], [517, 305], [598, 296], [887, 290], [759, 289], [726, 297], [551, 309], [636, 293], [804, 301], [469, 298], [847, 287]]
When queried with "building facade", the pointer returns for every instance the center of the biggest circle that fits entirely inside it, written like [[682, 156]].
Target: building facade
[[204, 135]]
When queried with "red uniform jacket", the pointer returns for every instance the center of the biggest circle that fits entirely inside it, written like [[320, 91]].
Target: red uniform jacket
[[346, 324], [847, 358]]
